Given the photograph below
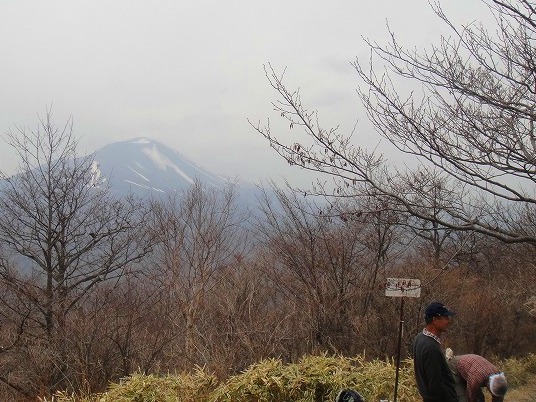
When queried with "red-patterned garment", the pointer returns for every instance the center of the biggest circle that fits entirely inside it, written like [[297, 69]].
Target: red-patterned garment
[[475, 370]]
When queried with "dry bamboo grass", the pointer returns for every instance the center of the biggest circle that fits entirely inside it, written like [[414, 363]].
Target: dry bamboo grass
[[183, 387], [311, 379], [519, 371], [317, 378]]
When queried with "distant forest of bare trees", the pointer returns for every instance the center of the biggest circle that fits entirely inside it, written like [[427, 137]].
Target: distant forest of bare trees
[[95, 288]]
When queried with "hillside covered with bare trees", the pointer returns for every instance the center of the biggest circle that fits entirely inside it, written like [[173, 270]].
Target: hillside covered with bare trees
[[95, 288]]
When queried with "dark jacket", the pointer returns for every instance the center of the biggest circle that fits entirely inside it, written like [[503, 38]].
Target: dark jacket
[[434, 378]]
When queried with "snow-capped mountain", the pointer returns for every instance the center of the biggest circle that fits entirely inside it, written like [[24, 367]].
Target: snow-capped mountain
[[145, 167]]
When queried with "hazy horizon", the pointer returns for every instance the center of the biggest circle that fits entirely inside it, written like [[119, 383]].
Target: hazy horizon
[[190, 75]]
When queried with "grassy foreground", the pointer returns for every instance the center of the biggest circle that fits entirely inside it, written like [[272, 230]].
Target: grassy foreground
[[312, 379]]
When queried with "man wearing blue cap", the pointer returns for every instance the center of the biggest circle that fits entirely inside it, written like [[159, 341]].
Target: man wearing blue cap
[[434, 378]]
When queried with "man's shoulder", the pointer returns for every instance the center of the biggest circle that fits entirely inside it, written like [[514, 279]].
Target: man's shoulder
[[424, 343], [422, 338]]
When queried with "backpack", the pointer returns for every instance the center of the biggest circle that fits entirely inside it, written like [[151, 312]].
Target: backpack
[[348, 395]]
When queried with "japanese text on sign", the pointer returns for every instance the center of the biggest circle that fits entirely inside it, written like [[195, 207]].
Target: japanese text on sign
[[401, 287]]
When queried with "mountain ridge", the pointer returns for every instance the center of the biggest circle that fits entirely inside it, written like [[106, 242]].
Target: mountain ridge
[[148, 168]]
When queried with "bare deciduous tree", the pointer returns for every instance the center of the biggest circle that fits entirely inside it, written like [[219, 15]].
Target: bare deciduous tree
[[60, 237], [198, 235], [329, 263], [469, 121]]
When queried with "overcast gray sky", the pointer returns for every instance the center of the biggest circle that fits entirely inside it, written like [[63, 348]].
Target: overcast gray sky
[[190, 74]]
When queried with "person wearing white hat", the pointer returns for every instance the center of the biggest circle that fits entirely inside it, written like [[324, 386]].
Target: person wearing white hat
[[472, 373]]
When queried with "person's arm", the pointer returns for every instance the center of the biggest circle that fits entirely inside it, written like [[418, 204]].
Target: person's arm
[[474, 391], [470, 393]]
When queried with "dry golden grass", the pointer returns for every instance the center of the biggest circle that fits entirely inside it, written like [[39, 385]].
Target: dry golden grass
[[521, 375], [524, 393], [316, 378], [312, 379]]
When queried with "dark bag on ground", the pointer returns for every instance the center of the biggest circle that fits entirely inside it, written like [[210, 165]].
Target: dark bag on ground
[[348, 395]]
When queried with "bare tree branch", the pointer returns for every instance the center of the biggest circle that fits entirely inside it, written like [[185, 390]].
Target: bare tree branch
[[468, 127]]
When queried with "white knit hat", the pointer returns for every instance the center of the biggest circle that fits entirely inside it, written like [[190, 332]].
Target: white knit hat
[[497, 384]]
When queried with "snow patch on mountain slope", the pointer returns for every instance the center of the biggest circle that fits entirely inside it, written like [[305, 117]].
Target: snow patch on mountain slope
[[141, 140], [145, 187], [138, 173], [162, 162]]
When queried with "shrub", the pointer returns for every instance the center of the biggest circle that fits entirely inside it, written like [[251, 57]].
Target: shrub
[[311, 379]]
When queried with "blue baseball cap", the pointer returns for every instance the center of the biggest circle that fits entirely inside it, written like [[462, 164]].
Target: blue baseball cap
[[437, 309]]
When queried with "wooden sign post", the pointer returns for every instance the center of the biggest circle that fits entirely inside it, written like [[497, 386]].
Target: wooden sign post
[[401, 287]]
